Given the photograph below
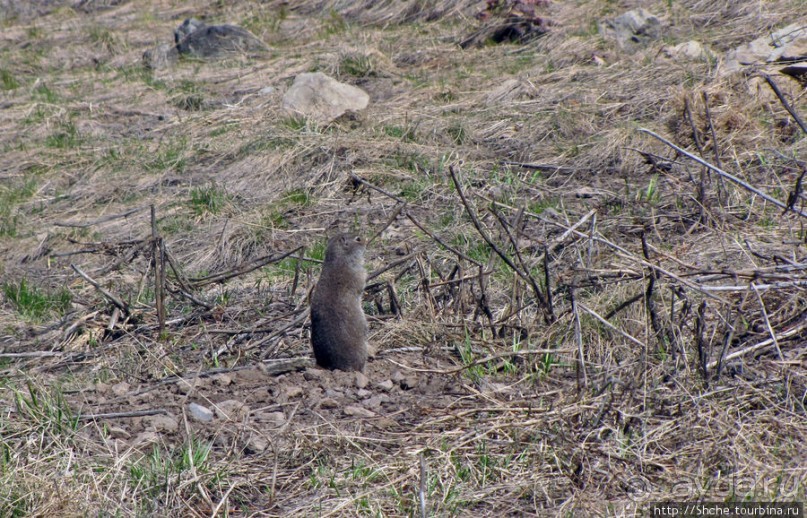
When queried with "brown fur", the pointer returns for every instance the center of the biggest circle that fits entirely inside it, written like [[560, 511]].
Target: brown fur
[[338, 324]]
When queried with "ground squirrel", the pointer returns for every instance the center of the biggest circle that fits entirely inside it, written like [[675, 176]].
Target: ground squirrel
[[338, 324]]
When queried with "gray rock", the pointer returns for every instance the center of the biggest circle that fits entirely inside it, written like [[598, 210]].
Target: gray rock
[[385, 385], [200, 413], [293, 391], [409, 382], [186, 28], [373, 403], [322, 98], [361, 380], [787, 44], [328, 403], [633, 29], [357, 411], [312, 374], [196, 39], [687, 51]]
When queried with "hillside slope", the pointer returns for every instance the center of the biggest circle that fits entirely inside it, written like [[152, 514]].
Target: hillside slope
[[568, 316]]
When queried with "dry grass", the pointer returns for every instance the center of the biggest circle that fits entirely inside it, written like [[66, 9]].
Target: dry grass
[[644, 381]]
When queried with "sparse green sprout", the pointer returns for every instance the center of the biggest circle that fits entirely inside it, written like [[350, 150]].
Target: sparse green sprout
[[298, 197], [190, 103], [47, 410], [458, 133], [299, 123], [209, 199], [7, 80], [170, 156], [44, 93], [175, 224], [334, 24], [413, 190], [357, 65], [34, 303], [404, 134], [65, 137], [10, 196], [267, 21], [318, 250], [103, 37], [283, 269], [651, 193], [163, 470]]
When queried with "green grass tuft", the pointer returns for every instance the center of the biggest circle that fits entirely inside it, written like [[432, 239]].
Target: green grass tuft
[[209, 199], [33, 303]]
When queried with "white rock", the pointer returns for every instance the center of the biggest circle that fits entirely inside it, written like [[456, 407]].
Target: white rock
[[789, 41], [357, 411], [322, 98], [200, 413], [361, 380], [689, 50]]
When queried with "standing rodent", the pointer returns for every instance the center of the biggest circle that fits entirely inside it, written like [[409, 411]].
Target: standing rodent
[[338, 325]]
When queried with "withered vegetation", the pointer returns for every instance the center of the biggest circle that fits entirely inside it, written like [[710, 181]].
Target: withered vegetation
[[570, 313]]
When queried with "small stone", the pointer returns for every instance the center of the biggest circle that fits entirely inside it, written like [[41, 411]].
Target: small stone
[[357, 411], [373, 402], [293, 391], [313, 374], [116, 432], [385, 423], [162, 423], [200, 413], [363, 393], [231, 410], [689, 50], [361, 380], [328, 402], [267, 90], [333, 393], [385, 385], [256, 444], [409, 382], [102, 388], [396, 376], [120, 389]]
